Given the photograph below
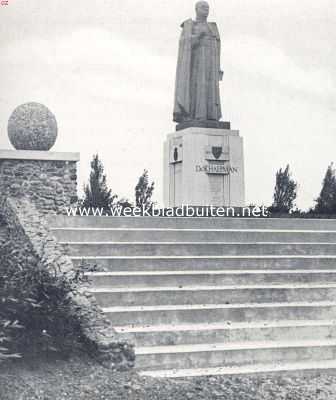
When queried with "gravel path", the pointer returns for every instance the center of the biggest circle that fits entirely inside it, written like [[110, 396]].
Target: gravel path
[[81, 378]]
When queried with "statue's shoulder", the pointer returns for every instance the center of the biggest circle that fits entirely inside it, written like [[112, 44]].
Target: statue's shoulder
[[213, 25], [214, 28], [186, 23]]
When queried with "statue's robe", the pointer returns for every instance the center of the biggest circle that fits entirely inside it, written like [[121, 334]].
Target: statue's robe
[[198, 74]]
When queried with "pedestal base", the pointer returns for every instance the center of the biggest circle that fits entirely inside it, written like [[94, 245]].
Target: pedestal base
[[204, 167], [203, 124], [48, 179]]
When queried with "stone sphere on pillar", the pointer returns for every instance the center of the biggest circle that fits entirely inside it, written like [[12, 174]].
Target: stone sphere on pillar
[[32, 126]]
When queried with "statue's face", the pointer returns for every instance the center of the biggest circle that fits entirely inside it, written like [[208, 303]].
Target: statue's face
[[202, 9]]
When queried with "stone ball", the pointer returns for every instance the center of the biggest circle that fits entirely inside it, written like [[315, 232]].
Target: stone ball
[[32, 126]]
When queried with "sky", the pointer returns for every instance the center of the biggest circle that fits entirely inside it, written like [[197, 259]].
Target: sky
[[106, 69]]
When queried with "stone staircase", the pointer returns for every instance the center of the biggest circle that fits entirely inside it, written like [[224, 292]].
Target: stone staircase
[[207, 296]]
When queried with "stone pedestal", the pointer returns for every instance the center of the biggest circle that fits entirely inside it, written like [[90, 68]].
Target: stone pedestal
[[204, 167], [47, 178]]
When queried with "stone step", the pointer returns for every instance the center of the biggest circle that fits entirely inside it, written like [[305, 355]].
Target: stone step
[[234, 354], [311, 367], [191, 235], [180, 223], [151, 296], [194, 248], [211, 313], [213, 295], [209, 277], [179, 263], [165, 335]]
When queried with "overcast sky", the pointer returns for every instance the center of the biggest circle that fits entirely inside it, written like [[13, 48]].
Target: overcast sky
[[106, 69]]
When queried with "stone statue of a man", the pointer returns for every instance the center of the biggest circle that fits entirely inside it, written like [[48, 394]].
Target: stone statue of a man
[[198, 70]]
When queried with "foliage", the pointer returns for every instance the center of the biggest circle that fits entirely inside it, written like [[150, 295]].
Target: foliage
[[122, 205], [144, 191], [7, 327], [285, 192], [326, 202], [96, 192], [37, 313]]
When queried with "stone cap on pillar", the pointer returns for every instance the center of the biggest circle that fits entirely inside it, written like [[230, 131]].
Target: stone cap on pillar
[[38, 155]]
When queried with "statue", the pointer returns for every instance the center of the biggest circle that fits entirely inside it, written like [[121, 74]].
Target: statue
[[197, 99]]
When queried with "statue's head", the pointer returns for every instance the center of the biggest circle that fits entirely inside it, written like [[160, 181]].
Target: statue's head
[[202, 9]]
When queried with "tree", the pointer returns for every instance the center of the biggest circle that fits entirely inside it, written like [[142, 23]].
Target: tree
[[144, 191], [96, 193], [326, 202], [285, 192]]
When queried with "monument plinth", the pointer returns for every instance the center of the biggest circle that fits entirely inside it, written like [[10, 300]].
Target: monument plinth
[[202, 167], [203, 159]]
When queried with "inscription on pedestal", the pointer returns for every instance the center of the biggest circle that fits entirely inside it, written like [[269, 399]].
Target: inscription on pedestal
[[216, 186], [219, 169]]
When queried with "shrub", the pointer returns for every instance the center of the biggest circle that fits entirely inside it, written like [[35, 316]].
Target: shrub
[[285, 192], [37, 313], [96, 192], [7, 328], [326, 202], [144, 191]]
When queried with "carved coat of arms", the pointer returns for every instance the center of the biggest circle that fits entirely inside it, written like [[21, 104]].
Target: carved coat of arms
[[217, 151]]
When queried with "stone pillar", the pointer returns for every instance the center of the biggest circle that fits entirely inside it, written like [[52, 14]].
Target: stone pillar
[[204, 167], [48, 179]]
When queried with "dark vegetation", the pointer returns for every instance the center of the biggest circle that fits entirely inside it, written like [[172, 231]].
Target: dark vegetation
[[285, 194], [144, 191], [37, 313], [326, 202], [97, 194]]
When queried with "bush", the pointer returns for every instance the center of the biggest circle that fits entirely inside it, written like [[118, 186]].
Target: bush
[[37, 313], [285, 192], [326, 202], [6, 329], [96, 192], [144, 191]]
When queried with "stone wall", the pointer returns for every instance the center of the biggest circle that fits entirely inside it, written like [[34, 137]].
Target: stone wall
[[50, 184], [28, 231], [3, 232]]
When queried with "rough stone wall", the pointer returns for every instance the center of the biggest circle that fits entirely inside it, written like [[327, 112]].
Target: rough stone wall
[[28, 230], [3, 232], [51, 185]]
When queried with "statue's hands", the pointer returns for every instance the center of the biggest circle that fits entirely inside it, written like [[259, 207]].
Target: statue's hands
[[198, 35], [202, 31], [221, 73]]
